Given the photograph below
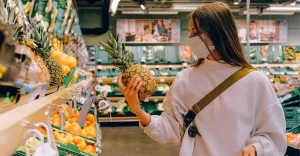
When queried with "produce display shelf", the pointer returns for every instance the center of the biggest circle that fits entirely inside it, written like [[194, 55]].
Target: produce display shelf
[[291, 150], [114, 80], [152, 98], [186, 65], [33, 112], [118, 119]]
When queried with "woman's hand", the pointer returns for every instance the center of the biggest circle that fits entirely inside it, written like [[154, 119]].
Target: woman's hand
[[248, 151], [131, 92]]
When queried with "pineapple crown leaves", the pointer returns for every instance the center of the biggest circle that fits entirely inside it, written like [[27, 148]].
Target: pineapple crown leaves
[[121, 58]]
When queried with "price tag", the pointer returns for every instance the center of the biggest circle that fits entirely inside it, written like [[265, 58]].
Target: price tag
[[146, 100], [170, 66], [157, 66], [144, 65], [155, 100], [267, 73], [100, 80], [115, 80], [162, 80], [185, 64]]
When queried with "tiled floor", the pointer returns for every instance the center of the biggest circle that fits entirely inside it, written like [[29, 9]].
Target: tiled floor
[[132, 141]]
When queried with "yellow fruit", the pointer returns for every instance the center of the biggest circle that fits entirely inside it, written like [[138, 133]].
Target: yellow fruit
[[91, 133], [56, 122], [68, 126], [56, 135], [62, 59], [73, 120], [75, 76], [63, 140], [77, 139], [69, 137], [90, 118], [83, 133], [42, 130], [72, 62], [75, 128], [82, 145], [89, 149], [66, 70]]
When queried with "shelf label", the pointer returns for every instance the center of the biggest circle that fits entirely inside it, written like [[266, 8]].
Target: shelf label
[[100, 80], [162, 80], [170, 66], [115, 80], [155, 100], [146, 100], [157, 66], [99, 67], [185, 64], [144, 65]]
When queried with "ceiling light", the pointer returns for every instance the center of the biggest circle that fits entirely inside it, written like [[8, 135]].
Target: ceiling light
[[163, 12], [142, 6], [113, 6], [283, 9], [270, 13], [186, 7], [236, 2]]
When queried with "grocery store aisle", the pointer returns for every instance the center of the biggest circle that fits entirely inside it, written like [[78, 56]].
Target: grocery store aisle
[[132, 141]]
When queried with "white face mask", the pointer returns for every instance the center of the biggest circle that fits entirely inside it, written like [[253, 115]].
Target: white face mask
[[198, 47]]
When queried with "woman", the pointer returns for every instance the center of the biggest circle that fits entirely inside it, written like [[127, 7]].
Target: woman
[[160, 29], [246, 119]]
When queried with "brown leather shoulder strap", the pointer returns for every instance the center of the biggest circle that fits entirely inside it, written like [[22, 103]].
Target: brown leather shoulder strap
[[220, 89]]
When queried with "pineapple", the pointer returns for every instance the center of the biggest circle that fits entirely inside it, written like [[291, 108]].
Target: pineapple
[[42, 41], [57, 75], [123, 61]]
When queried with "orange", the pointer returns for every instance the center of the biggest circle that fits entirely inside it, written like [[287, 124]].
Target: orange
[[89, 149], [68, 126], [67, 108], [56, 122], [66, 70], [72, 62], [77, 139], [67, 115], [82, 145], [91, 133], [83, 133], [56, 135], [90, 118], [62, 59], [87, 124], [63, 140], [74, 120], [75, 128], [55, 116], [69, 137], [42, 130]]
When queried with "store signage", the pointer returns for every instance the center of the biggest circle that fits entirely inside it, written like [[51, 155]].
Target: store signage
[[263, 31], [149, 30]]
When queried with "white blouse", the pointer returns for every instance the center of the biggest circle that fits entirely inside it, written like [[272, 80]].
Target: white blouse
[[247, 113]]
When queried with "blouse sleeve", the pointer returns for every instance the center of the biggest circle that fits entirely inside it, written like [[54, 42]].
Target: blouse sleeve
[[268, 134], [164, 128]]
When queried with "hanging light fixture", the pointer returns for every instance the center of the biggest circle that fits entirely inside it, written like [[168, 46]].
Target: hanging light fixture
[[236, 2]]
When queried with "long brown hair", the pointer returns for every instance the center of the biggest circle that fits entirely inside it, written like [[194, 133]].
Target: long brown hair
[[218, 23]]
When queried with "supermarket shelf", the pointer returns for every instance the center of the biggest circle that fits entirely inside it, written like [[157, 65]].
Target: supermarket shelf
[[118, 119], [114, 80], [186, 65], [276, 65], [153, 98], [33, 112], [147, 66]]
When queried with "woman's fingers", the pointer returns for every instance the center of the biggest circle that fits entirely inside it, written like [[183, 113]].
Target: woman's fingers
[[127, 88], [138, 87], [120, 83], [134, 85]]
